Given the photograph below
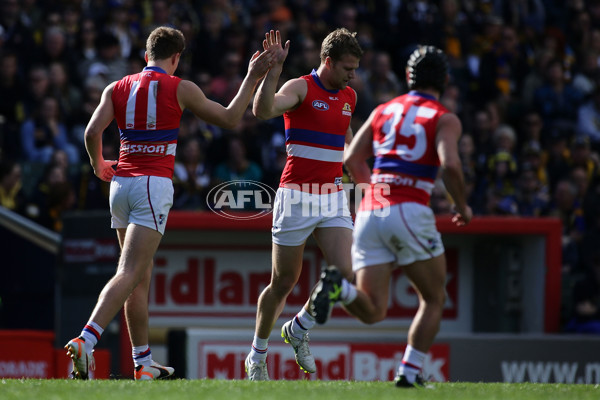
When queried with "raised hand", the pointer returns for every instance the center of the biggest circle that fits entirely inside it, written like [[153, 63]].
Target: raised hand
[[260, 63], [272, 43]]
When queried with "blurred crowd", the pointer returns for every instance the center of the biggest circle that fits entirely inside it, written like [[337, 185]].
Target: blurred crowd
[[525, 81]]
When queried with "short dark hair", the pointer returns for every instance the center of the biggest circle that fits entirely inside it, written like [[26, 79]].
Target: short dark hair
[[427, 68], [163, 42], [339, 43]]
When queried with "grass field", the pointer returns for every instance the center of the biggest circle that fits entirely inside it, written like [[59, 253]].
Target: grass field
[[55, 389]]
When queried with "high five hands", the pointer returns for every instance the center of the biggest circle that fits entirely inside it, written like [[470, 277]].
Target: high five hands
[[272, 43]]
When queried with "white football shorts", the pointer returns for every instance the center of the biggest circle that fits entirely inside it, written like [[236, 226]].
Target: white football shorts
[[140, 200], [296, 214], [404, 235]]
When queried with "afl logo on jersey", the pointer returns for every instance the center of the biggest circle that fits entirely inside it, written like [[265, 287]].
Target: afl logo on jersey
[[320, 105]]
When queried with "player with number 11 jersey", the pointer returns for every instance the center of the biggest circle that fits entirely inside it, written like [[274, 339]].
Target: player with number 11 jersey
[[148, 115]]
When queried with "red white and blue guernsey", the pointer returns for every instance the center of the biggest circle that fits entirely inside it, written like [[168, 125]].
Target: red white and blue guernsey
[[315, 134], [404, 133], [148, 115]]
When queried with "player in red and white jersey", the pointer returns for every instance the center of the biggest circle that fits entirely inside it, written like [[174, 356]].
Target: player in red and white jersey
[[317, 109], [411, 137], [148, 107], [316, 133], [404, 146], [148, 122]]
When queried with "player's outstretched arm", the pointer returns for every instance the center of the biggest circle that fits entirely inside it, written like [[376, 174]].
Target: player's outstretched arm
[[191, 96], [268, 104], [102, 117], [449, 131]]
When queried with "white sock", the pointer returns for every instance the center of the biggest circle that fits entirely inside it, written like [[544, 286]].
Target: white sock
[[258, 353], [348, 293], [91, 333], [302, 323], [412, 362], [142, 355]]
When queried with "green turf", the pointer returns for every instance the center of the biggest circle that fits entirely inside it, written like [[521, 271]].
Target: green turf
[[57, 389]]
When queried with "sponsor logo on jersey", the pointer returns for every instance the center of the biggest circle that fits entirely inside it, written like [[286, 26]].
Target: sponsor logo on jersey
[[144, 148], [347, 110], [320, 105]]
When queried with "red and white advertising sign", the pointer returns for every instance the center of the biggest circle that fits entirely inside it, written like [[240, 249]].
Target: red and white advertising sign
[[191, 287], [335, 361], [220, 284]]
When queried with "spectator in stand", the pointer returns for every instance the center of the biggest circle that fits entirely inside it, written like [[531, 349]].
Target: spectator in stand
[[558, 161], [118, 24], [582, 156], [586, 300], [11, 104], [451, 99], [38, 86], [502, 170], [92, 92], [579, 32], [585, 78], [483, 133], [11, 195], [455, 34], [302, 62], [160, 15], [503, 68], [533, 158], [93, 193], [191, 177], [225, 85], [237, 166], [70, 24], [531, 200], [535, 78], [566, 206], [108, 61], [209, 50], [505, 139], [85, 47], [276, 157], [588, 120], [530, 126], [68, 96], [382, 82], [54, 49], [52, 196], [190, 31], [346, 16], [42, 134], [579, 177], [17, 36], [557, 99]]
